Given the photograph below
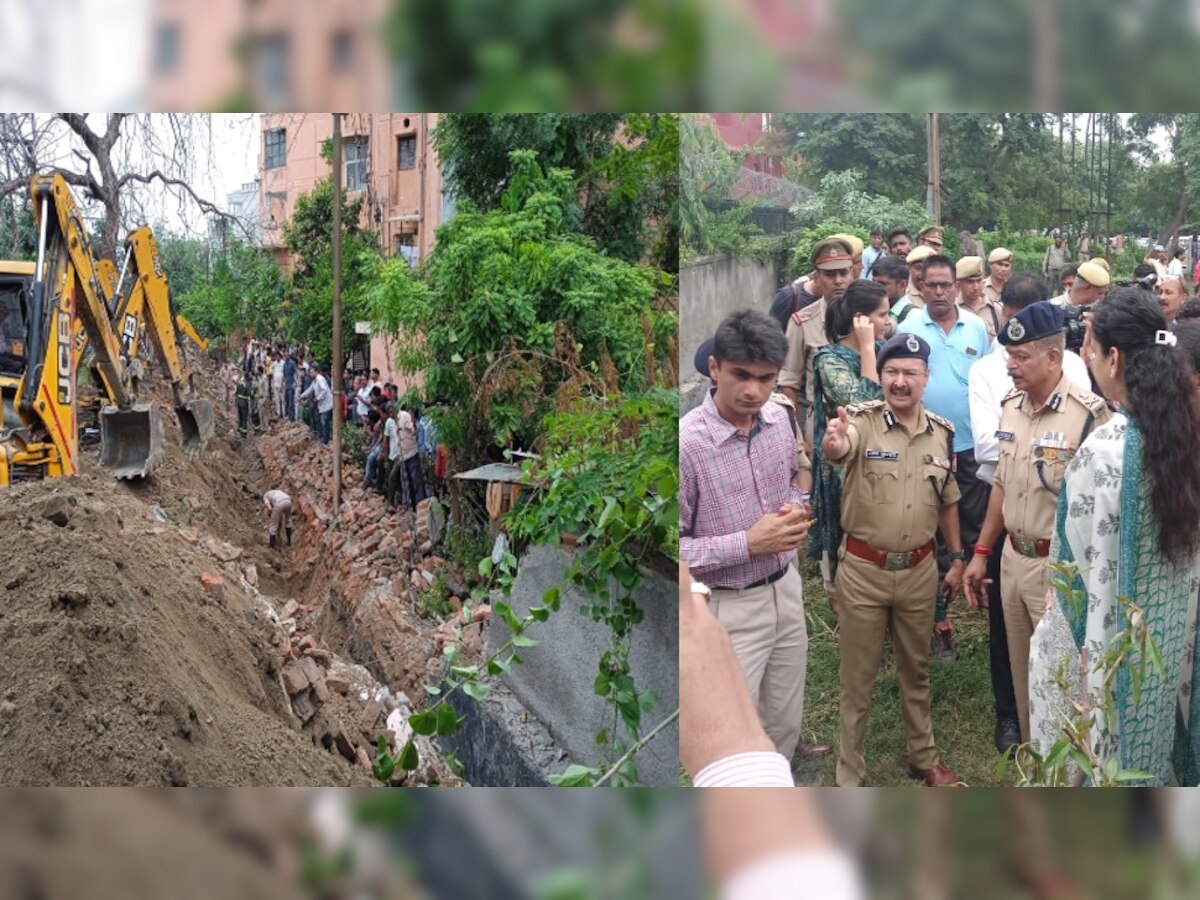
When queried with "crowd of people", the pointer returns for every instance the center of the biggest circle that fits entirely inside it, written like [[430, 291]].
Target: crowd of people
[[275, 381], [948, 427]]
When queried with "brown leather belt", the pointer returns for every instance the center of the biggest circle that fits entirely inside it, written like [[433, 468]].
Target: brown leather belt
[[1029, 546], [892, 560]]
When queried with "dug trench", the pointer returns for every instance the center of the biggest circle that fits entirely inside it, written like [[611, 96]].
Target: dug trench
[[151, 637]]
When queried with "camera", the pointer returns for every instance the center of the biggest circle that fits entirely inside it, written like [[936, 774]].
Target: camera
[[1073, 319], [1146, 282]]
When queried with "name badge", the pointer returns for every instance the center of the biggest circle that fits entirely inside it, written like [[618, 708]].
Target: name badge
[[1005, 436], [883, 454], [971, 351]]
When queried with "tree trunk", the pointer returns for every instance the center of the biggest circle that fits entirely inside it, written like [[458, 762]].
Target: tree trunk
[[1171, 229]]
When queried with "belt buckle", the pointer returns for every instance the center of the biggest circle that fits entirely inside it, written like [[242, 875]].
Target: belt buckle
[[1027, 546], [896, 560]]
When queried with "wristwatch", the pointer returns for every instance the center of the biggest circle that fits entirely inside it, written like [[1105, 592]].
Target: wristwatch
[[960, 555], [699, 587]]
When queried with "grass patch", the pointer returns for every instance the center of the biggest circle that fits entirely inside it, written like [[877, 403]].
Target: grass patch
[[963, 717]]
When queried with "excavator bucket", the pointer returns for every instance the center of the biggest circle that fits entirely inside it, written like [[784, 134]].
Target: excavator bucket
[[131, 440], [195, 424]]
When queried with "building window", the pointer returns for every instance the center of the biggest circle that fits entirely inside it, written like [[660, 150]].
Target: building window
[[276, 148], [166, 48], [273, 76], [406, 151], [343, 51], [405, 245], [357, 162]]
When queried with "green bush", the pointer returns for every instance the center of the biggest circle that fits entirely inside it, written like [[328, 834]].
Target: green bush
[[354, 441], [1028, 252]]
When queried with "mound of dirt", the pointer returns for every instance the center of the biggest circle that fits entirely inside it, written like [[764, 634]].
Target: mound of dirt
[[123, 665], [134, 651]]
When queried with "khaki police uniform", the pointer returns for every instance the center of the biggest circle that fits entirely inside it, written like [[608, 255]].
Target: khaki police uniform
[[895, 486], [805, 336], [992, 294], [1036, 444], [992, 315]]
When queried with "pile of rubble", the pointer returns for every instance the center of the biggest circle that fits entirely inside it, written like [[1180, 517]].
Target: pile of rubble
[[377, 565]]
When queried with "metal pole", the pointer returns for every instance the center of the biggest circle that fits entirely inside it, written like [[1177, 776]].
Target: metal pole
[[929, 164], [1062, 172], [937, 169], [335, 368], [1112, 121]]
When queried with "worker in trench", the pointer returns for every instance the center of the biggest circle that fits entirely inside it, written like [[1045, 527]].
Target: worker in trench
[[277, 507]]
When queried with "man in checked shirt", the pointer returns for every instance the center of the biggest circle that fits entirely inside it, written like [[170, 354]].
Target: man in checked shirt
[[742, 518]]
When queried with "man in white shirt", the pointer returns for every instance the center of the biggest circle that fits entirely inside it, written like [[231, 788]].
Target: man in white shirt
[[405, 473], [362, 398], [988, 383], [320, 393], [277, 385]]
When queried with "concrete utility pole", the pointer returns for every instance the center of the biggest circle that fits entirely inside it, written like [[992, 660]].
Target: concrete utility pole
[[335, 367], [933, 194]]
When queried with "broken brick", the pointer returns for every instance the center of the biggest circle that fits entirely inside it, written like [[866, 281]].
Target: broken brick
[[294, 679]]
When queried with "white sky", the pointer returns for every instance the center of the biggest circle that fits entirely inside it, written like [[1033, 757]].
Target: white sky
[[225, 158]]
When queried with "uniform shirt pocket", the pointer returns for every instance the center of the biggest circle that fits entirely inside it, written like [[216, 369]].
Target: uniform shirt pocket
[[1053, 466], [882, 479]]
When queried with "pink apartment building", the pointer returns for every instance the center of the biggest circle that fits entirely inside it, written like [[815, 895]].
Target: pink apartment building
[[268, 55], [739, 130], [388, 159]]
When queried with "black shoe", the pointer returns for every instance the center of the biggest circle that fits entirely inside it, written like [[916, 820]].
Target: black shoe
[[1008, 734], [272, 542]]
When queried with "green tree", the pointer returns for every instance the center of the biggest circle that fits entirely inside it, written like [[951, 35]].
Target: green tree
[[244, 291], [309, 310], [515, 313], [185, 260], [18, 237], [997, 168], [708, 221], [625, 166]]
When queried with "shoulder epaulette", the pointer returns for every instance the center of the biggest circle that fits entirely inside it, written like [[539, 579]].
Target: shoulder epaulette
[[1013, 394], [945, 423], [1094, 402], [855, 409], [813, 309], [781, 399]]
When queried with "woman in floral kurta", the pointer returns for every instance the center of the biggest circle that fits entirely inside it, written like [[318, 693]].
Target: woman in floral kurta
[[1127, 529], [843, 374]]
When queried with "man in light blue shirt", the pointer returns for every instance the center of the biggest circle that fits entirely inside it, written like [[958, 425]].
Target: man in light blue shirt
[[871, 254], [957, 339]]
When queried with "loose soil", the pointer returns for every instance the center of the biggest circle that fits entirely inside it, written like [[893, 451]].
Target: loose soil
[[119, 665]]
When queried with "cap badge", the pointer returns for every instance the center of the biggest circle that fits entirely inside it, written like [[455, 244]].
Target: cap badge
[[912, 345], [1016, 330]]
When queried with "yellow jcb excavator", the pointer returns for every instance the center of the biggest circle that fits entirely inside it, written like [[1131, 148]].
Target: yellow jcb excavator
[[146, 308], [38, 319]]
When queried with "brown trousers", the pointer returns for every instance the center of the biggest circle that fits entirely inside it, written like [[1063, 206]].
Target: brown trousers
[[871, 600], [1023, 584]]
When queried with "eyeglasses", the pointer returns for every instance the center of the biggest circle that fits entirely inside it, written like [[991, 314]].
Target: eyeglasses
[[939, 286]]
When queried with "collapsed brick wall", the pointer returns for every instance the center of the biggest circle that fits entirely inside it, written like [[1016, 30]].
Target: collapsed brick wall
[[370, 567]]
